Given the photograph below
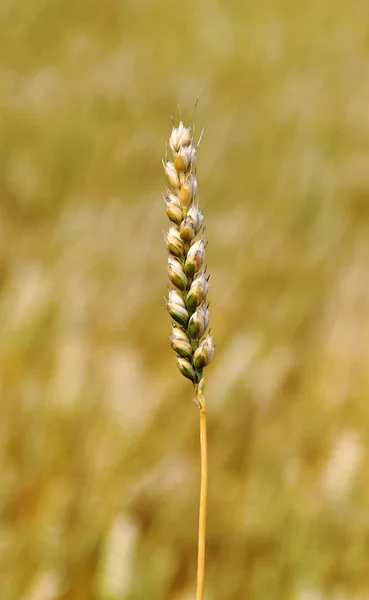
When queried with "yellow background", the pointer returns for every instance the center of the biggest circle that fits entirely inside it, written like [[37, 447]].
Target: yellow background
[[99, 456]]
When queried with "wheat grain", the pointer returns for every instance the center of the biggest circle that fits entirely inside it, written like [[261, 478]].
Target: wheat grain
[[187, 301]]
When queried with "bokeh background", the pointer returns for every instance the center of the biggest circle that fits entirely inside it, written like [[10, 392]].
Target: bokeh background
[[99, 461]]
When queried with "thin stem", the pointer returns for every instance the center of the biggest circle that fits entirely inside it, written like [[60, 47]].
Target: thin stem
[[203, 499]]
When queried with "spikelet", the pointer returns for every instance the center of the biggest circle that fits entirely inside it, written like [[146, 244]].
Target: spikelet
[[186, 303]]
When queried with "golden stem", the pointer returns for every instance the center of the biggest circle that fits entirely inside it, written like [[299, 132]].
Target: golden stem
[[203, 498]]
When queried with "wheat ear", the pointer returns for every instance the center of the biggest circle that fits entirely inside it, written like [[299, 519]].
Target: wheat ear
[[186, 303]]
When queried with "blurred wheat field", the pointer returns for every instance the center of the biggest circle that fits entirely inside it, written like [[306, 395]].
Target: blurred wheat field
[[99, 470]]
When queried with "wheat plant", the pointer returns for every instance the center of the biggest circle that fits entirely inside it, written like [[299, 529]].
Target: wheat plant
[[187, 304]]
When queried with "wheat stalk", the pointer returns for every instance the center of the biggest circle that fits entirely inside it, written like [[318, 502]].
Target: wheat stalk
[[186, 303]]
